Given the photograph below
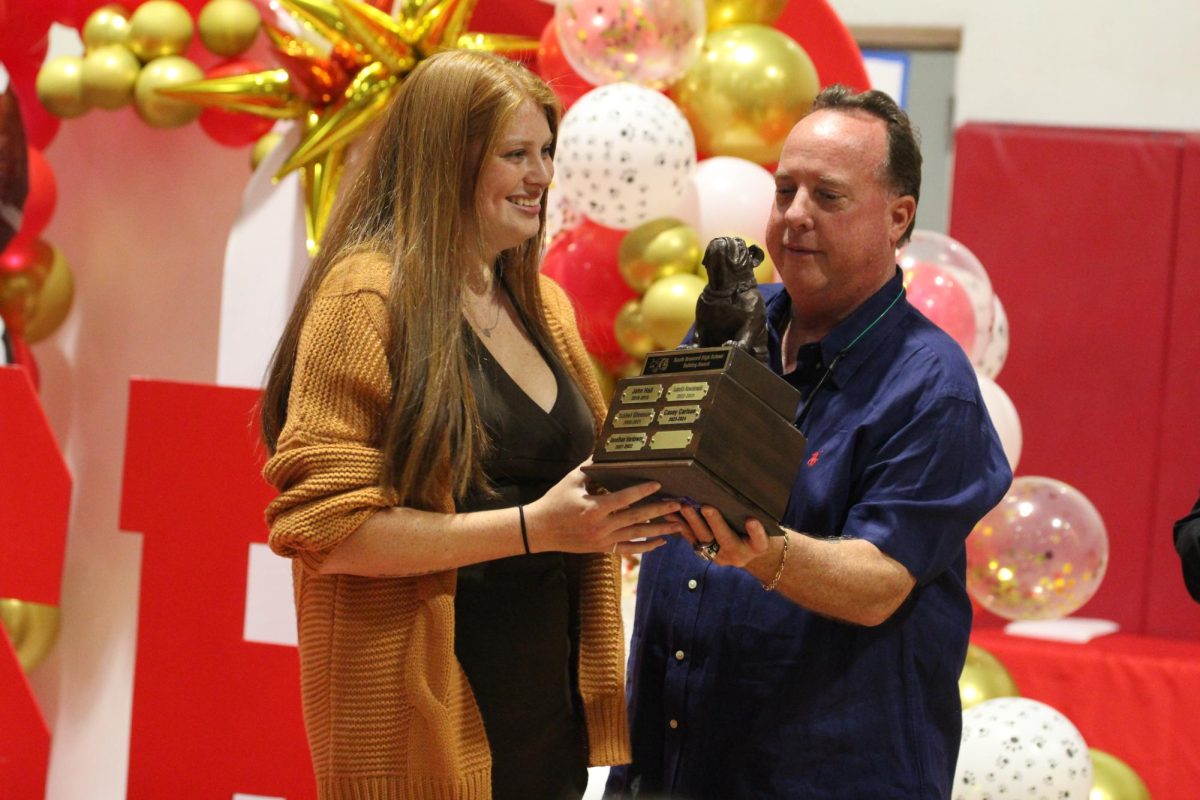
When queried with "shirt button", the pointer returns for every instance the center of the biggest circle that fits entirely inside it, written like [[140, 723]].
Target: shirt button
[[674, 724], [679, 655], [692, 584]]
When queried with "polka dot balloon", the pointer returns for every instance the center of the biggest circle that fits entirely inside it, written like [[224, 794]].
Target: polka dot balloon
[[625, 155], [1013, 747]]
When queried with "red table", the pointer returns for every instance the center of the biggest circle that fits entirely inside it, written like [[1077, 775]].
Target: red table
[[1136, 697]]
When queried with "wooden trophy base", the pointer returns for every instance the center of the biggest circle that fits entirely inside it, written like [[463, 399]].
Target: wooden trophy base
[[713, 426]]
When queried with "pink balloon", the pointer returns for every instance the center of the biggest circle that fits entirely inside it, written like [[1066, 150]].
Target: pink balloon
[[1040, 554], [935, 291], [953, 257]]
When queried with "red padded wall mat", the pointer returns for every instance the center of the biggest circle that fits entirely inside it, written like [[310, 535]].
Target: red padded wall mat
[[1086, 238]]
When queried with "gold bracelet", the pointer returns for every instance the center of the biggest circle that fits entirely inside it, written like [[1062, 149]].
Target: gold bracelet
[[770, 587]]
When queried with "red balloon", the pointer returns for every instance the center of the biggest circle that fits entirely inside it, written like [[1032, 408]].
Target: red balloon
[[519, 19], [42, 197], [24, 252], [23, 24], [230, 128], [72, 13], [939, 296], [40, 125], [553, 67], [820, 31], [584, 262], [24, 71]]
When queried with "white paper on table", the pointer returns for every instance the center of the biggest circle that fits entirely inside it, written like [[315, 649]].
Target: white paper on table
[[1075, 630]]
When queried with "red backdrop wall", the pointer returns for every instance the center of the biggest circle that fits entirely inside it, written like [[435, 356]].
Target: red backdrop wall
[[1090, 240]]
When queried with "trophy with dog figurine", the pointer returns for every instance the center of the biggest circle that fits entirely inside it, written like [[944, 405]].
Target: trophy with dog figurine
[[710, 421]]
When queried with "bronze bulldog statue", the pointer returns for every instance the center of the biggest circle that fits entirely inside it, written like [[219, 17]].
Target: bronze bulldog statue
[[731, 311]]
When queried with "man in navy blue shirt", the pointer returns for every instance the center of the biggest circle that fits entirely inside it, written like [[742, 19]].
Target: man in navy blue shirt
[[825, 663]]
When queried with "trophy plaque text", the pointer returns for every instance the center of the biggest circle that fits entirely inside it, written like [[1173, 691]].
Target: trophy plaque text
[[713, 425]]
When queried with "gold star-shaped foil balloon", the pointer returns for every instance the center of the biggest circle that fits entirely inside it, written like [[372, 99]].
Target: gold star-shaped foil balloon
[[338, 90]]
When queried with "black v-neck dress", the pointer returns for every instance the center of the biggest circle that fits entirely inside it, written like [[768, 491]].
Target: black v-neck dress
[[516, 619]]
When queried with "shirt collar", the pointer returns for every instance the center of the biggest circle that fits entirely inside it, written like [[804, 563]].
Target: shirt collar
[[880, 308]]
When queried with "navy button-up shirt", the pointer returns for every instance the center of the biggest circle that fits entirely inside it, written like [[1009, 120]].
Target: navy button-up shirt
[[735, 692]]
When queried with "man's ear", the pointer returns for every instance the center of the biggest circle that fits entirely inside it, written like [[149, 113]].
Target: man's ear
[[901, 212]]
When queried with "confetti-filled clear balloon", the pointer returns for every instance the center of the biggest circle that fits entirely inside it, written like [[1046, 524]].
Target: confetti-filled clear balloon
[[1016, 747], [1040, 554], [939, 293], [625, 155], [996, 352], [929, 247], [651, 42]]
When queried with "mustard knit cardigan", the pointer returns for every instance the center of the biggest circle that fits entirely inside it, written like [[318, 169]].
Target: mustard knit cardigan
[[388, 710]]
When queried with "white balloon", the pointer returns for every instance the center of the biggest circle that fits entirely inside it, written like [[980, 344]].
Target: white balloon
[[1016, 747], [994, 355], [733, 197], [5, 347], [1004, 417], [625, 154]]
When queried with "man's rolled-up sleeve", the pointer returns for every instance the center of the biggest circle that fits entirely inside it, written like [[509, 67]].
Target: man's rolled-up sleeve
[[928, 483]]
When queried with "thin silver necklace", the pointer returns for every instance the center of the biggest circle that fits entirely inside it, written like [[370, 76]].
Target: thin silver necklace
[[487, 331]]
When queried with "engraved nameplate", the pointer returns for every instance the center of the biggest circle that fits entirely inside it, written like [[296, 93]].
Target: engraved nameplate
[[671, 440], [686, 361], [687, 391], [624, 442], [679, 415], [643, 393], [633, 418]]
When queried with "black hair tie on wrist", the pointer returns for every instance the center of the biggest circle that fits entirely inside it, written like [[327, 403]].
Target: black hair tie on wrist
[[524, 533]]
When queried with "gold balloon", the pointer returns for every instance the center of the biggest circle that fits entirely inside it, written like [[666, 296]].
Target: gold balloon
[[54, 300], [744, 93], [263, 147], [157, 109], [160, 28], [1113, 779], [59, 87], [723, 13], [32, 628], [656, 249], [669, 308], [984, 678], [627, 369], [20, 288], [109, 74], [630, 330], [763, 273], [603, 377], [228, 27], [106, 25]]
